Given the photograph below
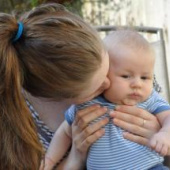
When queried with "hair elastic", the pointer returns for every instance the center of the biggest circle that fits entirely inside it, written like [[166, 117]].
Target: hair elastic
[[19, 32]]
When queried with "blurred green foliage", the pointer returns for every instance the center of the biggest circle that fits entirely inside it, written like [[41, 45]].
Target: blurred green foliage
[[17, 7]]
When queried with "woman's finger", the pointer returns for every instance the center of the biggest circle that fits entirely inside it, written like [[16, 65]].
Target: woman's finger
[[85, 111], [133, 128], [134, 111], [84, 133], [83, 121], [91, 139], [151, 124], [136, 116], [128, 118], [137, 139], [91, 129]]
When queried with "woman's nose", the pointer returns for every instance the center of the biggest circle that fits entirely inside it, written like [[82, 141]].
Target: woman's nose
[[106, 83]]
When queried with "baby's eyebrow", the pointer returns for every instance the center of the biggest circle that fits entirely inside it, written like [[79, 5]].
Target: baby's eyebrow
[[147, 73]]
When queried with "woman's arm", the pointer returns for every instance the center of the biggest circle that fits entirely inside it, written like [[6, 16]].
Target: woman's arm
[[83, 136], [139, 123]]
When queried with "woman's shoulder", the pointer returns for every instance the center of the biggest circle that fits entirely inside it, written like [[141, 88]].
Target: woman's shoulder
[[44, 133]]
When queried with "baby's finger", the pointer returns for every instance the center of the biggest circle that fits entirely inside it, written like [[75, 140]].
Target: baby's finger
[[158, 147], [164, 150], [152, 143]]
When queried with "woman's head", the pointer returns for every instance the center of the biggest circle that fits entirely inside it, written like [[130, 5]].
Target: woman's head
[[96, 84], [56, 57], [58, 51]]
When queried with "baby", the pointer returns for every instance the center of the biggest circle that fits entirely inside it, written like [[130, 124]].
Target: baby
[[131, 74]]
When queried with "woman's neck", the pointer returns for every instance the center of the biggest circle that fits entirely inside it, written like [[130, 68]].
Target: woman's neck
[[50, 112]]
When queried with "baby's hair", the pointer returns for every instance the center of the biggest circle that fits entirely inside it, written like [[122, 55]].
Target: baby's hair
[[54, 57], [127, 38]]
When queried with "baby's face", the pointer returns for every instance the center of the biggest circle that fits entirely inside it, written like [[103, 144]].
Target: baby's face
[[131, 76]]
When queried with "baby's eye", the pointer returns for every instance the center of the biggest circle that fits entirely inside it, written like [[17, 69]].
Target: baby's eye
[[125, 76], [144, 78]]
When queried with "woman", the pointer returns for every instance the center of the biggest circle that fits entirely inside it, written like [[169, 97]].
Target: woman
[[43, 70]]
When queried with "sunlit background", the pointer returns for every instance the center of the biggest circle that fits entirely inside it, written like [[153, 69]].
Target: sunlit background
[[147, 13]]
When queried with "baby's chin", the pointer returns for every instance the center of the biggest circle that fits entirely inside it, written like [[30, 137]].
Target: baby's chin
[[125, 102], [129, 102]]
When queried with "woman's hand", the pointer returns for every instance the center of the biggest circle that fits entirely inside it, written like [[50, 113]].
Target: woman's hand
[[84, 135], [139, 124]]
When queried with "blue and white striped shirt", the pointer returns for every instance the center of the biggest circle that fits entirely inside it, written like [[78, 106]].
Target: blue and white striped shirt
[[112, 151]]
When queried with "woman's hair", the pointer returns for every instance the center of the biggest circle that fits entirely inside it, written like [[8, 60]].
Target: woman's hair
[[55, 57]]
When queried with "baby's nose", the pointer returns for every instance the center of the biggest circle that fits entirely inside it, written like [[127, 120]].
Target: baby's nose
[[136, 83]]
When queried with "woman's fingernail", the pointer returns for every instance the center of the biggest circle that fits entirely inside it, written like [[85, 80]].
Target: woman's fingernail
[[125, 134], [117, 107], [104, 108], [115, 120], [111, 113], [97, 106]]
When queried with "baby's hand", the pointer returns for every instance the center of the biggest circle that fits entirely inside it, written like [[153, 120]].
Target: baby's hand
[[160, 142]]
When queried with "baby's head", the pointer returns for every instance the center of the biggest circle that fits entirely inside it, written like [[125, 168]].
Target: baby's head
[[131, 67]]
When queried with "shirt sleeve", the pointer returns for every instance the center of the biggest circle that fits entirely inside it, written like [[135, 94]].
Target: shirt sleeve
[[158, 104], [70, 114]]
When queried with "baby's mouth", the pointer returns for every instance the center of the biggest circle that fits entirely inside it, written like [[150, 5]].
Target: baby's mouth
[[134, 96]]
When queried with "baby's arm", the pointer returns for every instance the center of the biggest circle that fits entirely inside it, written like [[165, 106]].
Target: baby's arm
[[58, 147], [161, 140]]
